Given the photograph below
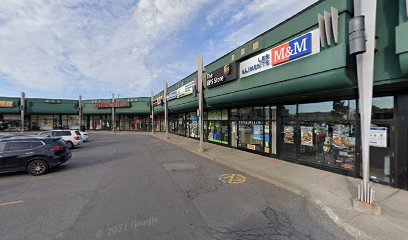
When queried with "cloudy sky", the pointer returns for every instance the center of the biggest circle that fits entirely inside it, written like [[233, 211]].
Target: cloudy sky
[[63, 48]]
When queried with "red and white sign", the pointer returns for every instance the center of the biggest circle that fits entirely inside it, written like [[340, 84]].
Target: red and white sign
[[110, 105]]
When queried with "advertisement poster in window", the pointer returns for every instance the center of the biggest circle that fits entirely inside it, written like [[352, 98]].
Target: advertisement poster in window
[[341, 136], [378, 137], [288, 134], [306, 135], [214, 115], [257, 132], [225, 114]]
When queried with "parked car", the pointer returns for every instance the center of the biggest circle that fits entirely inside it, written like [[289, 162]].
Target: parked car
[[5, 135], [34, 154], [71, 137], [84, 136]]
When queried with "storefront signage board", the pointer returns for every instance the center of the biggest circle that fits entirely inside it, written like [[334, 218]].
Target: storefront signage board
[[295, 49], [222, 75], [172, 95], [110, 105], [6, 104], [185, 90], [158, 100], [378, 137]]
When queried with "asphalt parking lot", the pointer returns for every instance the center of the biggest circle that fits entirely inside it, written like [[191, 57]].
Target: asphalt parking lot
[[137, 187]]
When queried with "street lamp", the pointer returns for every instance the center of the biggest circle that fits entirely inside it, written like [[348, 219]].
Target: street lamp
[[113, 109]]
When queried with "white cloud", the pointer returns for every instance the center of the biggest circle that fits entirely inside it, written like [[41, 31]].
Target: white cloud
[[249, 19], [86, 45]]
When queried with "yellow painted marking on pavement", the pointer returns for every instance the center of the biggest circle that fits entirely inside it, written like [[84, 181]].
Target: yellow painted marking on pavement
[[10, 203], [232, 178]]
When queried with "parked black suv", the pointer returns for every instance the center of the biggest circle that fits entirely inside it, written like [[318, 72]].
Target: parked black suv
[[33, 154]]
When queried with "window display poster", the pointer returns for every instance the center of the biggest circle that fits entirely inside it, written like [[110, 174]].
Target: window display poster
[[257, 132], [306, 135], [214, 115], [289, 134], [340, 136], [252, 147], [378, 137], [225, 114]]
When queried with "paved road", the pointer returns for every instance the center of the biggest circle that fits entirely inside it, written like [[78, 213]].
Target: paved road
[[136, 187]]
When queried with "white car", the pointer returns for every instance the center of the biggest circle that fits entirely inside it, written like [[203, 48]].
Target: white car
[[71, 137], [84, 136]]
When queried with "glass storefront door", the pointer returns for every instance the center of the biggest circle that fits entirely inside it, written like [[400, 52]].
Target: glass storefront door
[[381, 139], [288, 132]]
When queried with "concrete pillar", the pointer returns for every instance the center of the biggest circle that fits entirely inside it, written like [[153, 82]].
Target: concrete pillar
[[166, 112], [200, 102], [22, 110], [152, 120], [365, 75]]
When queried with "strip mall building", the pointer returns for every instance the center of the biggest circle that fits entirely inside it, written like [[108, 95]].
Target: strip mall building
[[290, 93]]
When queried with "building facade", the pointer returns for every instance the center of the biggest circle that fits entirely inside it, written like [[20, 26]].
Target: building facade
[[290, 93]]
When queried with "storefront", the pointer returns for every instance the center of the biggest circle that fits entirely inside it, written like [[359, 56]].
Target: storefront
[[131, 114], [292, 93]]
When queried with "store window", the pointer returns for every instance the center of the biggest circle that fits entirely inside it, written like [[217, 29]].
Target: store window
[[181, 128], [288, 133], [47, 122], [73, 122], [253, 130], [322, 133], [192, 125], [381, 139], [217, 126]]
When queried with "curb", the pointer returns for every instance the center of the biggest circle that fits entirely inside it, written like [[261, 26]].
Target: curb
[[358, 234]]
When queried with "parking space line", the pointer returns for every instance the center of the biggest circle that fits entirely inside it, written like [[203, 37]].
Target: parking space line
[[11, 203]]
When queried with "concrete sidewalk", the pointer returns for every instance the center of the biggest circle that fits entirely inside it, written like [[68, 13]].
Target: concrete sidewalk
[[333, 192]]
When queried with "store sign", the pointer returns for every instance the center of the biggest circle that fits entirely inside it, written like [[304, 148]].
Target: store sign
[[185, 90], [172, 95], [110, 105], [158, 101], [222, 75], [378, 137], [6, 104], [303, 46], [10, 117]]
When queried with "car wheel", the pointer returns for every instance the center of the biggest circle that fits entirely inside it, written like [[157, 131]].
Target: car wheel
[[37, 167], [70, 145]]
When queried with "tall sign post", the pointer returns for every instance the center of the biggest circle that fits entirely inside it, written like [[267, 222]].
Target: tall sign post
[[22, 110], [166, 113], [80, 112], [200, 102], [113, 124], [152, 116], [365, 75]]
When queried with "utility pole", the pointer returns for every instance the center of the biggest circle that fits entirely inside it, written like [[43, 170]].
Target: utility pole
[[22, 110], [152, 93], [365, 75], [200, 102], [166, 113], [113, 113]]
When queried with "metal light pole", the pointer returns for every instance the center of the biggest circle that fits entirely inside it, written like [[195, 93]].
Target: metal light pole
[[166, 124], [22, 110], [200, 102], [113, 113], [152, 93], [365, 75], [80, 112], [113, 124]]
